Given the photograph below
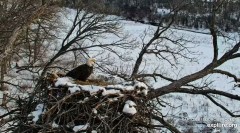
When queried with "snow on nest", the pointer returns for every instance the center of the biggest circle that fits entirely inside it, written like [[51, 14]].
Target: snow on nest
[[64, 81], [131, 103], [116, 86], [143, 88], [129, 107], [111, 89], [68, 82], [92, 88], [38, 111], [73, 89], [55, 125], [140, 85], [109, 92], [80, 127], [121, 87], [94, 111], [84, 100]]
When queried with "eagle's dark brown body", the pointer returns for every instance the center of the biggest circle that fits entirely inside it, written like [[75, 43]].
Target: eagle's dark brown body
[[81, 72]]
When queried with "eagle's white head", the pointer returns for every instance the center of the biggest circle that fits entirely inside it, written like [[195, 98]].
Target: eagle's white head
[[91, 62]]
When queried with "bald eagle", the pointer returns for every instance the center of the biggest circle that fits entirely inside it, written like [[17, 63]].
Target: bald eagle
[[83, 71]]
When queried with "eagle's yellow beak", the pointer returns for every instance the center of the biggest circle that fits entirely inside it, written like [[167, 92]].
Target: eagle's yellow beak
[[93, 60]]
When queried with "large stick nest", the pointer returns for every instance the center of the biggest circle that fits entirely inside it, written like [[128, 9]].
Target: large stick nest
[[64, 111]]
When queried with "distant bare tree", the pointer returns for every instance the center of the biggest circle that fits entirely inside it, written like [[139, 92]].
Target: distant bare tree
[[17, 17]]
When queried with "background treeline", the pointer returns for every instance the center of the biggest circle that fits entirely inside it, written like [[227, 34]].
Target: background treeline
[[195, 14]]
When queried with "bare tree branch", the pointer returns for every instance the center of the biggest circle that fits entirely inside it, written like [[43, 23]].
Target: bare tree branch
[[214, 33], [167, 125], [221, 106], [227, 74], [195, 91], [154, 75], [200, 74], [156, 36]]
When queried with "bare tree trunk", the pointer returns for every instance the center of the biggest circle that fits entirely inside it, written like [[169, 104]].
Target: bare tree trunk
[[7, 52], [35, 45], [2, 76], [10, 44], [2, 89]]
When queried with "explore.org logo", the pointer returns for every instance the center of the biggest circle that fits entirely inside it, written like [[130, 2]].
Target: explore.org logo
[[222, 125]]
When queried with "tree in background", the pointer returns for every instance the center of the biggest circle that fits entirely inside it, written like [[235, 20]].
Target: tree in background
[[19, 20]]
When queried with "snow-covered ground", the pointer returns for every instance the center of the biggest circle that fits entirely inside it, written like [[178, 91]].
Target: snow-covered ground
[[190, 107]]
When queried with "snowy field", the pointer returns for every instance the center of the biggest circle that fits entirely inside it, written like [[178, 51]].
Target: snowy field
[[183, 107]]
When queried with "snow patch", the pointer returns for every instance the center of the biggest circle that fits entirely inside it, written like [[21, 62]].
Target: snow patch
[[113, 89], [73, 89], [55, 125], [163, 11], [131, 103], [92, 89], [129, 107], [110, 92], [38, 111], [94, 111], [140, 85], [64, 81], [84, 100], [115, 86], [144, 92], [113, 99], [128, 88], [80, 127], [121, 87], [143, 88]]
